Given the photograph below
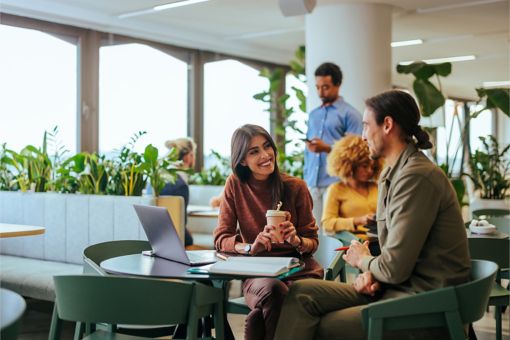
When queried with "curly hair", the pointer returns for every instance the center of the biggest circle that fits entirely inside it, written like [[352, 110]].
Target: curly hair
[[347, 154]]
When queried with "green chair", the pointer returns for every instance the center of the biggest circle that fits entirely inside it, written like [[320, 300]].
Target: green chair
[[495, 250], [95, 254], [450, 307], [331, 261], [93, 299], [12, 307]]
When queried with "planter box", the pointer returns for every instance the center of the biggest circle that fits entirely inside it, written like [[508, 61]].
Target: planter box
[[202, 194], [72, 222]]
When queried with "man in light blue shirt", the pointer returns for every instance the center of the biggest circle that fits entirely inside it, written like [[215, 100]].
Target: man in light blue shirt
[[326, 124]]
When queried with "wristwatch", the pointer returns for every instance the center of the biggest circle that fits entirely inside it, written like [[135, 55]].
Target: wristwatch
[[247, 248]]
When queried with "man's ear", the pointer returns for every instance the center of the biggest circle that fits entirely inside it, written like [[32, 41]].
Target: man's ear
[[388, 124]]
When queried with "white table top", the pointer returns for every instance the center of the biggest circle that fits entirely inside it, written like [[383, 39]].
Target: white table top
[[15, 230]]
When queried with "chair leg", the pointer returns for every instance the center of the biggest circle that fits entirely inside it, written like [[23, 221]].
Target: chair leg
[[79, 330], [375, 329], [455, 326], [497, 314], [56, 325], [471, 333]]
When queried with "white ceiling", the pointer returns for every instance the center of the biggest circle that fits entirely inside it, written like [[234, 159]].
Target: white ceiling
[[257, 29]]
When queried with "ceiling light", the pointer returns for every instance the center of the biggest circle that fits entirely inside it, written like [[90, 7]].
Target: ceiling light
[[442, 60], [504, 83], [455, 6], [159, 8], [177, 4], [406, 43]]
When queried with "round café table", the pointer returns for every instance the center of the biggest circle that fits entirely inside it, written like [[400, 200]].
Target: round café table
[[15, 230]]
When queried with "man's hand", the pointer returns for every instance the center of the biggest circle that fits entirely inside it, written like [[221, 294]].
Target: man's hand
[[356, 252], [364, 220], [365, 284], [317, 145]]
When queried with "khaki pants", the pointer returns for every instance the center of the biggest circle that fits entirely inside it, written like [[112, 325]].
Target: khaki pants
[[321, 310], [330, 310]]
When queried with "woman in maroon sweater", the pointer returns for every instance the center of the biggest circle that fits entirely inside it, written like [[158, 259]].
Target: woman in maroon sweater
[[255, 187]]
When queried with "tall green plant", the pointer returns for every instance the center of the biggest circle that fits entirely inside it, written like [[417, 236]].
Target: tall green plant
[[277, 106], [159, 170], [6, 175], [127, 176], [214, 175], [430, 98], [92, 171], [490, 169]]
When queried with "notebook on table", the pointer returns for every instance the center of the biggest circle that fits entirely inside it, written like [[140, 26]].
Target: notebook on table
[[165, 241], [251, 266]]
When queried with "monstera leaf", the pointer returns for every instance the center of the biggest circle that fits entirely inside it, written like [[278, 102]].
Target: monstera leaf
[[429, 96], [496, 98]]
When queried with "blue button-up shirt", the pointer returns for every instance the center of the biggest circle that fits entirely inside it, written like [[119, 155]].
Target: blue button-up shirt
[[329, 123]]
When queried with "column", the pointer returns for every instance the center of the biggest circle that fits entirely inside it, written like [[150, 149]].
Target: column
[[356, 37]]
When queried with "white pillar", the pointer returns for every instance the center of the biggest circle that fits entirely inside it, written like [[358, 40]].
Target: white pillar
[[356, 37]]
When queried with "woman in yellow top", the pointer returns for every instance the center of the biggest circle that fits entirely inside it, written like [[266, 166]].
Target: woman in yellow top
[[351, 203]]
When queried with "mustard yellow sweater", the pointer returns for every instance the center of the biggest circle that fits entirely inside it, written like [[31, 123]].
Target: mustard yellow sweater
[[343, 204]]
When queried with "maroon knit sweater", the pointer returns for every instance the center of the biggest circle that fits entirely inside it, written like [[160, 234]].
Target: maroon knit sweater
[[247, 203]]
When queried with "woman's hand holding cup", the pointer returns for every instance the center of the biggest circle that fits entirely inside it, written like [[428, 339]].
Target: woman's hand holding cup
[[274, 219], [289, 233], [263, 240]]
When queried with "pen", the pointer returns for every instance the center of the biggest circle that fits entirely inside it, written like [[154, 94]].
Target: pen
[[221, 256], [342, 248]]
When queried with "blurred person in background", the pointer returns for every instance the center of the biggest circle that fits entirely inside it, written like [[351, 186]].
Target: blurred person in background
[[350, 205]]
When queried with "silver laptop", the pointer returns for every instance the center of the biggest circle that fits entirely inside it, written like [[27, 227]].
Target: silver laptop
[[165, 241]]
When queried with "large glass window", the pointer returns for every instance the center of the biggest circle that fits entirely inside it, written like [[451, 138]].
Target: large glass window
[[37, 88], [449, 140], [481, 126], [140, 89], [229, 87]]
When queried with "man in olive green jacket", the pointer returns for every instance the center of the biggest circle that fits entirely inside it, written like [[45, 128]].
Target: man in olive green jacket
[[421, 232]]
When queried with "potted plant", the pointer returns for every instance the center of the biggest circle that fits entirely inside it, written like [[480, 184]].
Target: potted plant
[[490, 173]]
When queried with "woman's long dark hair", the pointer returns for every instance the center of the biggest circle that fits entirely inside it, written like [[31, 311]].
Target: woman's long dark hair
[[239, 148], [403, 109]]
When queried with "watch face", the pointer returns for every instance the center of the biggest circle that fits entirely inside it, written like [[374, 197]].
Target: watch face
[[247, 248]]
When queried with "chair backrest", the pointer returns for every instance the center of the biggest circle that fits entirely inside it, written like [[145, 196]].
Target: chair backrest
[[127, 300], [331, 260], [473, 296], [490, 213], [12, 307], [451, 306], [93, 255], [177, 209]]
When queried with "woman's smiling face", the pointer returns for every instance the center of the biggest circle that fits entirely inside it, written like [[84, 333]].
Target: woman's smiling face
[[260, 158]]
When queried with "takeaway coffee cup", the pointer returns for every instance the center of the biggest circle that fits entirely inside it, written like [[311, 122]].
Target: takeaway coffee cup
[[274, 218]]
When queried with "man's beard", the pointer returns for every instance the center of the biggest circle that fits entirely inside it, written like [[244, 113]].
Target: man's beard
[[327, 100]]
